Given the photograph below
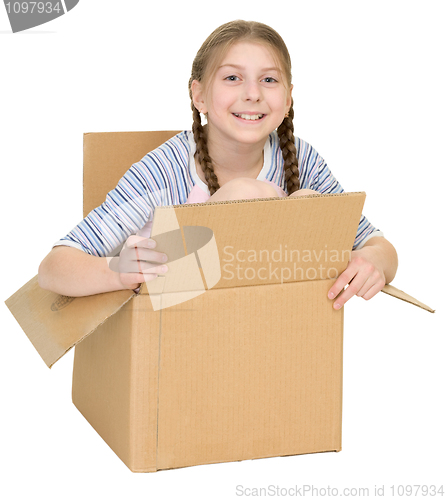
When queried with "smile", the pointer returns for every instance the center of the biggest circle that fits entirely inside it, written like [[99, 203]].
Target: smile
[[249, 117]]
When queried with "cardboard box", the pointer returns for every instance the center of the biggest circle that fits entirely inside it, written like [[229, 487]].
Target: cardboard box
[[234, 354]]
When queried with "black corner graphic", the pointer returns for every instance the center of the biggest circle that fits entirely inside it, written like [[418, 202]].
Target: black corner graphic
[[69, 4], [24, 15]]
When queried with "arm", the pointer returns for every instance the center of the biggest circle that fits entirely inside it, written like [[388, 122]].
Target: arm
[[384, 253], [72, 272], [127, 208], [369, 269]]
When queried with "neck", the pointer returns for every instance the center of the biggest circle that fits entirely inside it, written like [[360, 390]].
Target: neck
[[232, 160]]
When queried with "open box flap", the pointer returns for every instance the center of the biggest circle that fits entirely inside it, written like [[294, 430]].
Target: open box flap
[[399, 294], [254, 242], [108, 156], [55, 323]]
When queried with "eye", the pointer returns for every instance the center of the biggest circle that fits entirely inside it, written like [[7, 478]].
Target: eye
[[270, 79], [232, 78]]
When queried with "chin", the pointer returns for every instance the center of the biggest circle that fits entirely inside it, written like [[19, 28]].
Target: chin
[[252, 137]]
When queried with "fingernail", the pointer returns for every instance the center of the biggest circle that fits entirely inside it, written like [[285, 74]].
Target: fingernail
[[337, 306], [164, 258], [151, 244], [164, 269], [330, 295]]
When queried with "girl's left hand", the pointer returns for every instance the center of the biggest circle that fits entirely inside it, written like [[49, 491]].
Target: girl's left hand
[[364, 276]]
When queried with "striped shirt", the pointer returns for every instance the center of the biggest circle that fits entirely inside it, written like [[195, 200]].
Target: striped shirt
[[167, 175]]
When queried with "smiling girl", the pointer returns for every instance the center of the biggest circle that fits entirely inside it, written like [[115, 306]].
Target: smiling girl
[[241, 82]]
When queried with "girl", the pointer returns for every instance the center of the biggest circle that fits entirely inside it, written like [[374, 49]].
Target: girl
[[241, 82]]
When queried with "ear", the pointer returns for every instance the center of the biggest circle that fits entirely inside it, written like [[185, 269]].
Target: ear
[[198, 96], [289, 98]]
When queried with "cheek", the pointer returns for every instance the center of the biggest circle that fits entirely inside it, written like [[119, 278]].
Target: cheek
[[220, 102], [276, 100], [278, 105], [281, 101]]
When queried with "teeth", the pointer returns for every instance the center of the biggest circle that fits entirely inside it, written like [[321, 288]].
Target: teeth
[[249, 117]]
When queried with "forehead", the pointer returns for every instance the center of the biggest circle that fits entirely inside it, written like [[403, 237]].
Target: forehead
[[250, 54]]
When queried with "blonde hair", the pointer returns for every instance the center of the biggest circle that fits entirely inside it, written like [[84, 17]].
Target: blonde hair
[[205, 63]]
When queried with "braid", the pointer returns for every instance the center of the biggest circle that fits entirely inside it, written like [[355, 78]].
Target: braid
[[202, 152], [287, 145]]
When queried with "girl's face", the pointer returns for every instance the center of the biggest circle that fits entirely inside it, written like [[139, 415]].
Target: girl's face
[[247, 98]]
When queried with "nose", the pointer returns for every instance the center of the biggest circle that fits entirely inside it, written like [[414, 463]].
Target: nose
[[252, 91]]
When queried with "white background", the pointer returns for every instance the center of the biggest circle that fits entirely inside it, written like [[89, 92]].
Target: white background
[[369, 95]]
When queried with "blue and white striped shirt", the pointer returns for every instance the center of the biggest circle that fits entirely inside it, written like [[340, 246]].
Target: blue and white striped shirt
[[167, 175]]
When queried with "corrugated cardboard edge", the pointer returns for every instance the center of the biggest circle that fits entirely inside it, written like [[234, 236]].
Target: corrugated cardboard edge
[[251, 200], [399, 294], [388, 289], [14, 303], [148, 470]]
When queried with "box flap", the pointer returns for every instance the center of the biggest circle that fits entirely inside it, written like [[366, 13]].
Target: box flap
[[253, 242], [399, 294], [108, 156], [55, 323]]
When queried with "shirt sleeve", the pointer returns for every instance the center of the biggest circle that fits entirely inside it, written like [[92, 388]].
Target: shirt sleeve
[[315, 174], [126, 209]]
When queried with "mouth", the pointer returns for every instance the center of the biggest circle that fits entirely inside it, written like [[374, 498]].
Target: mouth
[[249, 117]]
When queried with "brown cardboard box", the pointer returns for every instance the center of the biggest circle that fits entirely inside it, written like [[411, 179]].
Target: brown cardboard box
[[234, 354]]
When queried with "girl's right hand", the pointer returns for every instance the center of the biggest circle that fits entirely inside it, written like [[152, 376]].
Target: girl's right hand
[[139, 263]]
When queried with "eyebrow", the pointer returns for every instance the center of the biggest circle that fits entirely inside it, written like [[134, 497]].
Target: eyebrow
[[236, 66]]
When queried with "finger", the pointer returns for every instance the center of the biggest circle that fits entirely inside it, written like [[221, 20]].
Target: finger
[[151, 274], [137, 259], [144, 265], [368, 283], [372, 291], [147, 277], [352, 289], [144, 254], [140, 241], [153, 269], [126, 266], [376, 279], [342, 299], [139, 277], [137, 266], [344, 279]]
